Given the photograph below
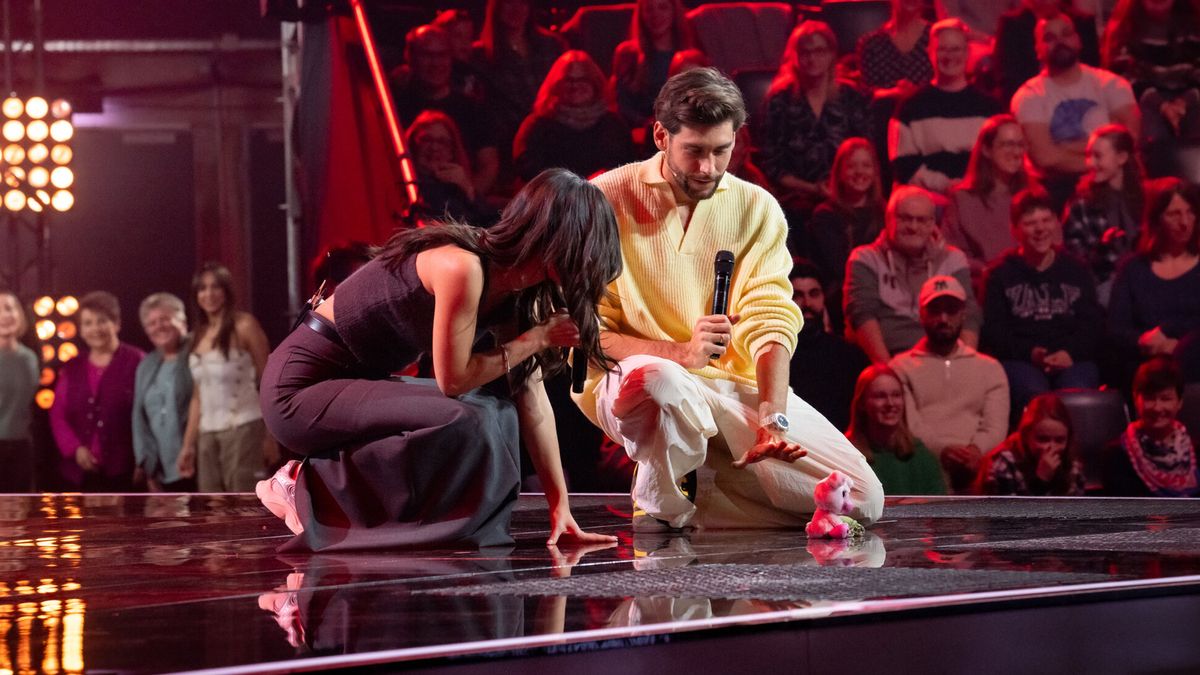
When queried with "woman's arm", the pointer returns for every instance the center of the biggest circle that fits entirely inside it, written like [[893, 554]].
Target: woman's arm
[[251, 337], [540, 434]]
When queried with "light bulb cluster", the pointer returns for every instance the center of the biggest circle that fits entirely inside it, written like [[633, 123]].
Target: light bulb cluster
[[36, 154], [57, 330]]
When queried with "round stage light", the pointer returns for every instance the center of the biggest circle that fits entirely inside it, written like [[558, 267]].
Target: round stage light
[[38, 153], [39, 177], [67, 351], [14, 154], [13, 131], [62, 177], [14, 200], [37, 131], [12, 107], [45, 399], [47, 377], [60, 108], [62, 131], [63, 200], [37, 107], [43, 306], [59, 154], [44, 329], [66, 330], [67, 305], [48, 353]]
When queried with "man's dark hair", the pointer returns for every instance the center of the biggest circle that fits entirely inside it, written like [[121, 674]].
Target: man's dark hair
[[700, 97], [803, 268], [1029, 200]]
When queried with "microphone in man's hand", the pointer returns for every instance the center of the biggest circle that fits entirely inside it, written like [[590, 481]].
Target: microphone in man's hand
[[723, 272]]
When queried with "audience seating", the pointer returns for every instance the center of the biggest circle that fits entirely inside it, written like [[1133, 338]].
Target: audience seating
[[851, 19], [741, 35], [1190, 414], [754, 83], [1097, 416], [598, 30]]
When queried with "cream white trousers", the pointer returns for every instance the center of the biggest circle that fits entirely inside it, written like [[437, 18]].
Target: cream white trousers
[[672, 422]]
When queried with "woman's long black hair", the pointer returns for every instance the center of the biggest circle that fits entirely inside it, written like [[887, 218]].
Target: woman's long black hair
[[560, 219]]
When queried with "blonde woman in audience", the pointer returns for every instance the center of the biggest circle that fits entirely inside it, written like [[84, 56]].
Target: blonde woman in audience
[[162, 394]]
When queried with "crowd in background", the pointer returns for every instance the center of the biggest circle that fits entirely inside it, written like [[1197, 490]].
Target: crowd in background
[[986, 208]]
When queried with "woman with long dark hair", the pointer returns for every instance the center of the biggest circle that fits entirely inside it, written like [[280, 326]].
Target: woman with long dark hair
[[397, 461], [640, 64], [225, 444]]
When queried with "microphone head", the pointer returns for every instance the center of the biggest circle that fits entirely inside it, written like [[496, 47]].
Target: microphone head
[[723, 263]]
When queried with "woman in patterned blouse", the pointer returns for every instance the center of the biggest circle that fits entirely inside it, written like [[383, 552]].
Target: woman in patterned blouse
[[808, 113], [897, 55], [1037, 458]]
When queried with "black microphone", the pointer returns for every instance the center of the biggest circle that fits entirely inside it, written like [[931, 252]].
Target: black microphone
[[578, 369], [723, 271]]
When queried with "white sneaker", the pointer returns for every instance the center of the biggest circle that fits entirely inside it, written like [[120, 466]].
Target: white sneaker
[[278, 494]]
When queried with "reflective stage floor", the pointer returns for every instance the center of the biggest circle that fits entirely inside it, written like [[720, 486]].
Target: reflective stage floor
[[139, 583]]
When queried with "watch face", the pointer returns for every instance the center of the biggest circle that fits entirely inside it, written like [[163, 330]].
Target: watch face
[[781, 421]]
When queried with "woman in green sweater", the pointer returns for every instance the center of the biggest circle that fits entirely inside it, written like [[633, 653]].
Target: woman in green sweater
[[878, 428]]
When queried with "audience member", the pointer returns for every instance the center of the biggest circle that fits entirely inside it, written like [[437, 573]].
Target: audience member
[[824, 365], [512, 56], [1155, 305], [879, 429], [977, 219], [18, 382], [932, 132], [1155, 44], [1155, 456], [807, 115], [162, 395], [852, 216], [896, 56], [1062, 105], [956, 398], [460, 28], [1040, 314], [884, 278], [1101, 221], [640, 65], [1037, 459], [430, 87], [445, 181], [225, 443], [1015, 54], [92, 415], [741, 164], [571, 125], [982, 17]]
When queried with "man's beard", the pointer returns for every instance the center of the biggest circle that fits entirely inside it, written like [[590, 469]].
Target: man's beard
[[1062, 57], [943, 338], [681, 182]]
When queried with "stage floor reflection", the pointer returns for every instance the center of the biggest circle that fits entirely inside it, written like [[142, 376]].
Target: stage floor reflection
[[139, 583]]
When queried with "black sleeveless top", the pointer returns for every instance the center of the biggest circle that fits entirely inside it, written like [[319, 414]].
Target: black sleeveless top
[[385, 318]]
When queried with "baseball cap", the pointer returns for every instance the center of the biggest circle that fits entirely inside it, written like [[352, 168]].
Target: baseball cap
[[941, 285]]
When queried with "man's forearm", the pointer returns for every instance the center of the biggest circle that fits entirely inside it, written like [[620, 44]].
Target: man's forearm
[[772, 368], [621, 347]]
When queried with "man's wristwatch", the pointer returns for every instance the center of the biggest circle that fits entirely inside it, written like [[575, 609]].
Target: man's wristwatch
[[776, 423]]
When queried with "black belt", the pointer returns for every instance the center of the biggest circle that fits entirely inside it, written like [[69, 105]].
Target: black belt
[[321, 328]]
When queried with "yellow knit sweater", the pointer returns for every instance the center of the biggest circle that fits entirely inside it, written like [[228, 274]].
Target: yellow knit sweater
[[668, 278]]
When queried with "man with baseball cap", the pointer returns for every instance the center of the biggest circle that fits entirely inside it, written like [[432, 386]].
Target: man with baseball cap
[[956, 398]]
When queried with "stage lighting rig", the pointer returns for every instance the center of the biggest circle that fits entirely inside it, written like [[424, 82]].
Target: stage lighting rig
[[37, 155]]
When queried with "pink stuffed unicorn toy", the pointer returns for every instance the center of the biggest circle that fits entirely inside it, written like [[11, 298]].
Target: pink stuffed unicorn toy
[[832, 496]]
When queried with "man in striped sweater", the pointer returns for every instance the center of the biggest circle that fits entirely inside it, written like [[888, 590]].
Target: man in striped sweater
[[701, 392], [931, 135]]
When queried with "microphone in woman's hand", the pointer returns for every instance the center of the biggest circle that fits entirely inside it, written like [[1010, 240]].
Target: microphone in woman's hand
[[578, 369]]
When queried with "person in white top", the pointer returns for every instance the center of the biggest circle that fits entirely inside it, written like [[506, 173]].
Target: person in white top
[[226, 443]]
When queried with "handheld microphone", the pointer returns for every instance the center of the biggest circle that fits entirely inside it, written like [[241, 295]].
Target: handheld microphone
[[723, 272], [578, 369]]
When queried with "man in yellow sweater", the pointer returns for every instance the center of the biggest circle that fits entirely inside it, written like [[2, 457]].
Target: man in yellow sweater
[[700, 392]]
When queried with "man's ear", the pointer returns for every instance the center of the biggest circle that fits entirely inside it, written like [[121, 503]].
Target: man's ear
[[660, 134]]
